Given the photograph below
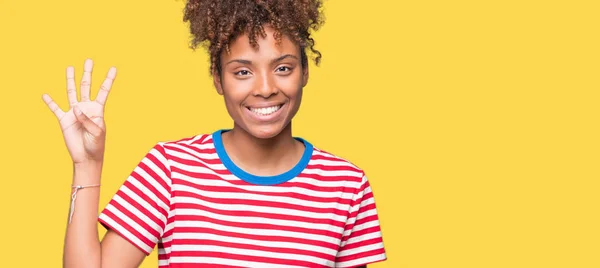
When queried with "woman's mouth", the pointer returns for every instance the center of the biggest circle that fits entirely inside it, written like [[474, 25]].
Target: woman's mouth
[[264, 111], [266, 114]]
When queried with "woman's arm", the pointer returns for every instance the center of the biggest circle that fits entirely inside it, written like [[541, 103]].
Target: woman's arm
[[118, 252], [82, 246], [84, 133]]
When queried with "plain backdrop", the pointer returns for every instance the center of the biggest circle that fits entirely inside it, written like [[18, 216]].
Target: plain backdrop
[[476, 121]]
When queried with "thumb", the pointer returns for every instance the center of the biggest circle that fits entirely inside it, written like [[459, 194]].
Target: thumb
[[87, 123]]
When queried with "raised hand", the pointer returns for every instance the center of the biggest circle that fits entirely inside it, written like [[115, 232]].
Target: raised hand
[[83, 125]]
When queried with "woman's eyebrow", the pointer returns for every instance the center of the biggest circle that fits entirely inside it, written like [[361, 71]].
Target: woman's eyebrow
[[248, 62], [240, 61], [283, 57]]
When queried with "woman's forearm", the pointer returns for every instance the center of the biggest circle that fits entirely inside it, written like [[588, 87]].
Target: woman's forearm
[[82, 244]]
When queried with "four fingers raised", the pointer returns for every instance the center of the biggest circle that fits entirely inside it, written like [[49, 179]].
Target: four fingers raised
[[85, 88]]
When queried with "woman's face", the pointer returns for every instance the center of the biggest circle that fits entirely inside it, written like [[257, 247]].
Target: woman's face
[[262, 87]]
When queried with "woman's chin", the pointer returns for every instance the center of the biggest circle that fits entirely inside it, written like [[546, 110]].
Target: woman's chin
[[265, 131]]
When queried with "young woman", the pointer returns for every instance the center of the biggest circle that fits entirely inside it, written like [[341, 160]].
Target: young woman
[[249, 196]]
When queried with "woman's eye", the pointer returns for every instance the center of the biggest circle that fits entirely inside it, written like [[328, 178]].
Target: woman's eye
[[242, 72], [283, 69]]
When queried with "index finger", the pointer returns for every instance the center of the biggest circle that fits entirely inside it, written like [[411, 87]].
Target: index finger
[[106, 85]]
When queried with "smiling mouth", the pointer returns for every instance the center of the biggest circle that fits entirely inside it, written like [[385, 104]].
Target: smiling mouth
[[265, 110]]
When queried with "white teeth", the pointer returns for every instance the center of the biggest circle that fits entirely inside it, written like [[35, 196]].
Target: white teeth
[[265, 110]]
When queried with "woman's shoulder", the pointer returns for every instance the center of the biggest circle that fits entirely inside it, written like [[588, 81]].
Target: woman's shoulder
[[336, 164]]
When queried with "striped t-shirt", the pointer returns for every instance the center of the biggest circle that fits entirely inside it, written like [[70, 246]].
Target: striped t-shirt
[[189, 199]]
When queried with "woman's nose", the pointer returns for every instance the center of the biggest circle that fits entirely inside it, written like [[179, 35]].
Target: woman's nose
[[265, 87]]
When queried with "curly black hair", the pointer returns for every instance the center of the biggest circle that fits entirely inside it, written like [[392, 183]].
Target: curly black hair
[[214, 24]]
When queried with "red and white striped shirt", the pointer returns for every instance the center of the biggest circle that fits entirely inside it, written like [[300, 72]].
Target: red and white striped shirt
[[191, 201]]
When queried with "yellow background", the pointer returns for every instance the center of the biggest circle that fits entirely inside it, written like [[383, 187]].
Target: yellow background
[[476, 121]]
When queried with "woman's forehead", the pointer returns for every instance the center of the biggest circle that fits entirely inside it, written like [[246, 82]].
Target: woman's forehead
[[267, 46]]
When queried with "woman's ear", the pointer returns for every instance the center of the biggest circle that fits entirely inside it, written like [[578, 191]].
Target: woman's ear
[[217, 81]]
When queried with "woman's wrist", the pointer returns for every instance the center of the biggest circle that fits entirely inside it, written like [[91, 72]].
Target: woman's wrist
[[88, 164], [87, 172]]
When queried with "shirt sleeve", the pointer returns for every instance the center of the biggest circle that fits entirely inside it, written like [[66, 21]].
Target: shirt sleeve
[[140, 208], [362, 241]]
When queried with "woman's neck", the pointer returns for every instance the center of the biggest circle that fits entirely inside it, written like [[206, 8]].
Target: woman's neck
[[263, 157]]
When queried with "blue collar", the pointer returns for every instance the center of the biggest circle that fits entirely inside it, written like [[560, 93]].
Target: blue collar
[[261, 180]]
